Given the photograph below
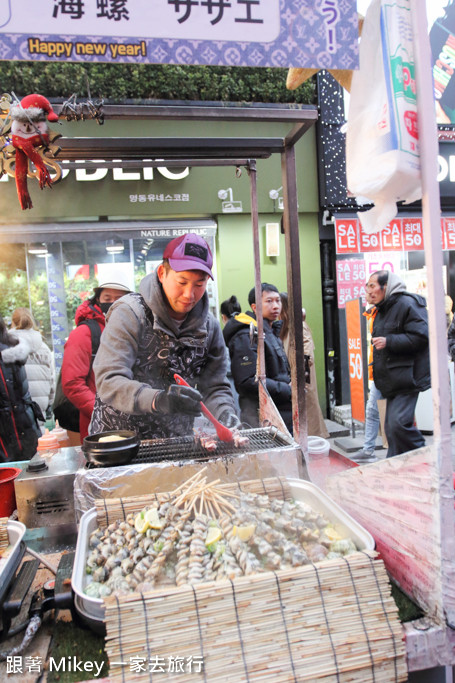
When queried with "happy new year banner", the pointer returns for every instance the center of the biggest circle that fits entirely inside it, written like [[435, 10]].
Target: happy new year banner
[[281, 33]]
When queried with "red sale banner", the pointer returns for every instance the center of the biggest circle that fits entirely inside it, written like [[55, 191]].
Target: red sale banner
[[402, 234], [413, 234], [347, 236], [353, 323], [392, 236], [351, 278], [369, 242], [448, 233]]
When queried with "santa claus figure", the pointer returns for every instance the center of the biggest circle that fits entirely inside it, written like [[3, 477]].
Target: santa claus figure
[[30, 130]]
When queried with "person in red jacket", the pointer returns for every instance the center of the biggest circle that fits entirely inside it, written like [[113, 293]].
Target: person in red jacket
[[78, 379]]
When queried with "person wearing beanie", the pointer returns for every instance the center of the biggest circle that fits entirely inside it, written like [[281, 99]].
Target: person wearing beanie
[[78, 379], [163, 330], [401, 362]]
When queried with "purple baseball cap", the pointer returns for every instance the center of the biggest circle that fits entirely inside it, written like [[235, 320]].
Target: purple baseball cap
[[189, 252]]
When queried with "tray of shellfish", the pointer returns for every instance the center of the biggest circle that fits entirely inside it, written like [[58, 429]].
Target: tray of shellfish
[[204, 531]]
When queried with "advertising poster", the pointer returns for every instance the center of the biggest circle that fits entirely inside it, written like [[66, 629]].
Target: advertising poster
[[279, 33], [441, 25], [353, 324]]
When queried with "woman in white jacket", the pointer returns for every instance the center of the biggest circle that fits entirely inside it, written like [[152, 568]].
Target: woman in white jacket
[[39, 366]]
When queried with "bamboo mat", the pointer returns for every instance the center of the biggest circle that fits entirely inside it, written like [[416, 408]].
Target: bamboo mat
[[331, 621], [4, 539], [110, 509]]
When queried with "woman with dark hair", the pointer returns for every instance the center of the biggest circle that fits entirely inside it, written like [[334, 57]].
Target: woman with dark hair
[[19, 429], [229, 308], [78, 378], [315, 419]]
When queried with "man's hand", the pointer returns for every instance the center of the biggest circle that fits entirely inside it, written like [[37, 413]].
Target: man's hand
[[178, 399], [379, 342], [230, 420]]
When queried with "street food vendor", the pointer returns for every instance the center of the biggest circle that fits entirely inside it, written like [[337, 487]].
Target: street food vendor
[[164, 329]]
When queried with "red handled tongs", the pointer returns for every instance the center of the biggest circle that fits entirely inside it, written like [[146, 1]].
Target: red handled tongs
[[223, 433]]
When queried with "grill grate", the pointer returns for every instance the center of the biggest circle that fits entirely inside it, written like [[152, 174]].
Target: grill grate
[[189, 448]]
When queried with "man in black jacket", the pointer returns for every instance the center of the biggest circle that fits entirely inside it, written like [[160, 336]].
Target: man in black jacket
[[401, 364], [244, 358]]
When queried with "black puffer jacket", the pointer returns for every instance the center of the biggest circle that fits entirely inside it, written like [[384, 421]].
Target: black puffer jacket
[[243, 367], [19, 430], [451, 339], [403, 366]]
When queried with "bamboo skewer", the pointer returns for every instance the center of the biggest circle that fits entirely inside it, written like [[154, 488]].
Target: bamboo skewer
[[185, 483], [110, 509]]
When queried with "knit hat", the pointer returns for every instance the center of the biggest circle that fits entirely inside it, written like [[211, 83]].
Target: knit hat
[[189, 252], [117, 281]]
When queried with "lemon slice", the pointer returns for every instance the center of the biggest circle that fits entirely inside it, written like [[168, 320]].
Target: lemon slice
[[153, 519], [244, 532], [214, 535], [140, 523], [332, 534]]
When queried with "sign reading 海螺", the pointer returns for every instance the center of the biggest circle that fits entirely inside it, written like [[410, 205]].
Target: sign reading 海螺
[[281, 33]]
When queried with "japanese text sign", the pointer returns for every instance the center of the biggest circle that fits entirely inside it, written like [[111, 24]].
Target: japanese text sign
[[281, 33], [353, 318]]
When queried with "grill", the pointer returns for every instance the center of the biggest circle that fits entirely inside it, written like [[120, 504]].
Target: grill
[[163, 464], [189, 448]]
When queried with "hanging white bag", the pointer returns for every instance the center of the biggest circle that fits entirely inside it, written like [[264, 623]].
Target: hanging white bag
[[382, 146]]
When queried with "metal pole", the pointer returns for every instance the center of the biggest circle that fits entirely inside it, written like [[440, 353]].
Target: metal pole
[[257, 267], [296, 355], [438, 334]]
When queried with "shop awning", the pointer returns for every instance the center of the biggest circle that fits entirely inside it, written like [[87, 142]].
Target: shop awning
[[38, 232]]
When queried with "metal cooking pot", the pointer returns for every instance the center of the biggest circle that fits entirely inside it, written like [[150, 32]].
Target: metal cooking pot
[[111, 453]]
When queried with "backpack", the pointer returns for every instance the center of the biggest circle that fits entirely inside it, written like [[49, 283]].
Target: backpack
[[64, 411]]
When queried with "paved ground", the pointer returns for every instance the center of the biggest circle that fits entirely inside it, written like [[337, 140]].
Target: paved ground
[[342, 441]]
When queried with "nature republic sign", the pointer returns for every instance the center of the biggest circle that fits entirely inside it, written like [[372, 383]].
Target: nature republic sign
[[276, 33]]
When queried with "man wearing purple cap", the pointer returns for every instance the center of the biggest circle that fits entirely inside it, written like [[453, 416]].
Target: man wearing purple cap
[[164, 329]]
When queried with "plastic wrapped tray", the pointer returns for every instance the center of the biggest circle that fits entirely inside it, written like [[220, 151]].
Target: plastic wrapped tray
[[91, 609], [11, 556]]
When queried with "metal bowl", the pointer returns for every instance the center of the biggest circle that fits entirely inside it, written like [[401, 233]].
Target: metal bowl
[[111, 453]]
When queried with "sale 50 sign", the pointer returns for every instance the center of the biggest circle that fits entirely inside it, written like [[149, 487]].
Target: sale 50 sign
[[354, 335], [401, 234], [351, 278]]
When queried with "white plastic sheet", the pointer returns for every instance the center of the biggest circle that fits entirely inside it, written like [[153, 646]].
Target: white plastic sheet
[[382, 145]]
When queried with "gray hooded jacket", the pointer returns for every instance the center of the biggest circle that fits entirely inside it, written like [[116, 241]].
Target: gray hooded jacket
[[141, 349]]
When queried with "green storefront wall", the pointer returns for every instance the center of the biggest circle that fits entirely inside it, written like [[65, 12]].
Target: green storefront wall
[[127, 195]]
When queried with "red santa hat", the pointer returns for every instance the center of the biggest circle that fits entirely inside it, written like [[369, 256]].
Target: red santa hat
[[32, 107]]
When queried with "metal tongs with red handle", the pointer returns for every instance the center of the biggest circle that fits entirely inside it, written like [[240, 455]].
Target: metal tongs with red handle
[[223, 433]]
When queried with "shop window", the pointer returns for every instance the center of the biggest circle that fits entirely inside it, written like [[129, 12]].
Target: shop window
[[53, 278]]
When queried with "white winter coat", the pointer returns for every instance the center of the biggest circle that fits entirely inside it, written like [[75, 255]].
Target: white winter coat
[[39, 367]]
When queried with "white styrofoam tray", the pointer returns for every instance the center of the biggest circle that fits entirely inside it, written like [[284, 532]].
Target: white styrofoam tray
[[16, 531], [304, 491]]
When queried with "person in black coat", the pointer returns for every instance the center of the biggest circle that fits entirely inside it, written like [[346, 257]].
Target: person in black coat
[[244, 358], [19, 428], [401, 362], [451, 339]]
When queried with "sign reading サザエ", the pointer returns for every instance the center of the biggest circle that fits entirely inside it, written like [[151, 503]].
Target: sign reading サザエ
[[282, 33]]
